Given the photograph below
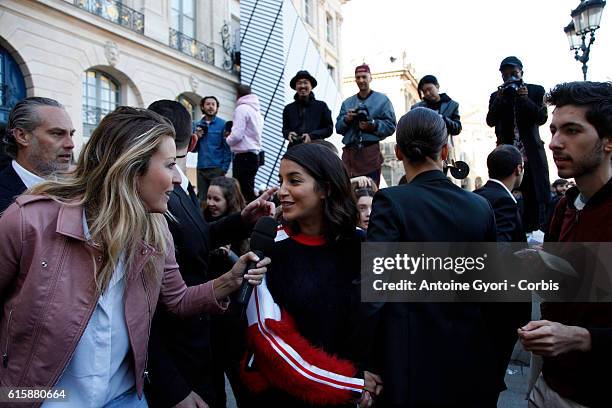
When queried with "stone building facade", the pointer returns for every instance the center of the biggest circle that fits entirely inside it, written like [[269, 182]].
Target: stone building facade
[[94, 55], [323, 20]]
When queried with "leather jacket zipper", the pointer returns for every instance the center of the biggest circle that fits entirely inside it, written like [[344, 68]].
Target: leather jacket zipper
[[145, 372], [5, 355]]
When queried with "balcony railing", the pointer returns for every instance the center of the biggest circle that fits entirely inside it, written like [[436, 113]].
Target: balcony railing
[[115, 11], [191, 47]]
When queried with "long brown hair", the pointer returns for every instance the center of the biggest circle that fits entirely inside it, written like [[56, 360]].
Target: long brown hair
[[231, 192], [105, 182]]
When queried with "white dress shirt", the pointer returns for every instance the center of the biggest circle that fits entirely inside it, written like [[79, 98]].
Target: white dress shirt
[[184, 180], [28, 178]]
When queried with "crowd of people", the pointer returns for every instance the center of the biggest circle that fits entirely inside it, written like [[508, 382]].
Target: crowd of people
[[101, 256]]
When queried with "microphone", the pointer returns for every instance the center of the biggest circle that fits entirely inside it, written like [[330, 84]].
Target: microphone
[[262, 240]]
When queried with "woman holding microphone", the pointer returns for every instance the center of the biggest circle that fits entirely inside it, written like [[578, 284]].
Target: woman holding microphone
[[87, 259]]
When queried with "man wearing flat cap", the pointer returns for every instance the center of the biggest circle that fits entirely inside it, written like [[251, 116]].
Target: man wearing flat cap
[[364, 120], [517, 110], [306, 119]]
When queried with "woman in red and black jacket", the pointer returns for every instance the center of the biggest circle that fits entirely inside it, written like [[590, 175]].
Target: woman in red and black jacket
[[300, 323]]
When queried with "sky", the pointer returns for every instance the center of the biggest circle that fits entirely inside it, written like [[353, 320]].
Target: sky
[[462, 42]]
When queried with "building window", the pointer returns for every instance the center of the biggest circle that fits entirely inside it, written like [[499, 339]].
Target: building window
[[330, 29], [183, 17], [2, 80], [100, 96], [190, 106], [332, 71], [309, 12], [12, 85]]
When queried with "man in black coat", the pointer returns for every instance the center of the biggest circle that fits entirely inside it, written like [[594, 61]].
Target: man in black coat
[[505, 164], [306, 119], [429, 90], [429, 354], [517, 110], [179, 362], [39, 140], [11, 186]]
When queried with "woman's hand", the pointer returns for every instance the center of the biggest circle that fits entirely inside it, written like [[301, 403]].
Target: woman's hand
[[366, 400], [373, 383], [230, 281], [253, 276], [260, 207], [361, 181]]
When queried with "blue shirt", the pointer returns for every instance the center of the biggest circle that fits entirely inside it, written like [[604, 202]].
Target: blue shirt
[[213, 151]]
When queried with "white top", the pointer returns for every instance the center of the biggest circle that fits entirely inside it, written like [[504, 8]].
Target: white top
[[505, 188], [28, 178], [100, 369]]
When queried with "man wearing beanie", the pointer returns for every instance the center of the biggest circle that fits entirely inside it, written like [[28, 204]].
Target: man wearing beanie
[[364, 120], [517, 110]]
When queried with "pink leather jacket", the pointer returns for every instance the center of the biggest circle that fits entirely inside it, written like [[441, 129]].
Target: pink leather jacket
[[47, 292]]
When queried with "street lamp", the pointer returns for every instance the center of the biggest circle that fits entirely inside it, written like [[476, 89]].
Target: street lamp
[[585, 20]]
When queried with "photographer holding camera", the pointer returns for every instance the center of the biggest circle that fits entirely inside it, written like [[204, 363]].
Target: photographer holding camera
[[517, 110], [306, 119], [364, 120]]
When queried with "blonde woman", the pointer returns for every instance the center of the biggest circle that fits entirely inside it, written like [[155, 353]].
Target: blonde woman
[[86, 260]]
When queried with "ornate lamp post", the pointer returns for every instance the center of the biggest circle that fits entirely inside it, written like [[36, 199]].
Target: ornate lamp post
[[585, 20]]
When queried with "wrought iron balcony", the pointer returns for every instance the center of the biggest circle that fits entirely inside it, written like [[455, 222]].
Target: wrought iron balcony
[[189, 46], [231, 48], [115, 11]]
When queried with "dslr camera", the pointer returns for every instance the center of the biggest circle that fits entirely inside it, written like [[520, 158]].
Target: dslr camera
[[363, 115], [511, 85], [203, 127], [296, 139]]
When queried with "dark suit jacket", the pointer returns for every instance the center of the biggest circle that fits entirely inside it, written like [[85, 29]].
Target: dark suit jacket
[[430, 354], [506, 316], [531, 113], [507, 216], [179, 349], [10, 187]]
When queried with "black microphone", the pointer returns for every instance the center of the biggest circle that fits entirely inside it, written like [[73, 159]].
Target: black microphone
[[262, 240]]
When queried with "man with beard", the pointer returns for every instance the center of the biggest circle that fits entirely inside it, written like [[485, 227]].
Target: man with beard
[[306, 119], [39, 139], [516, 110], [364, 120], [575, 339], [214, 154]]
